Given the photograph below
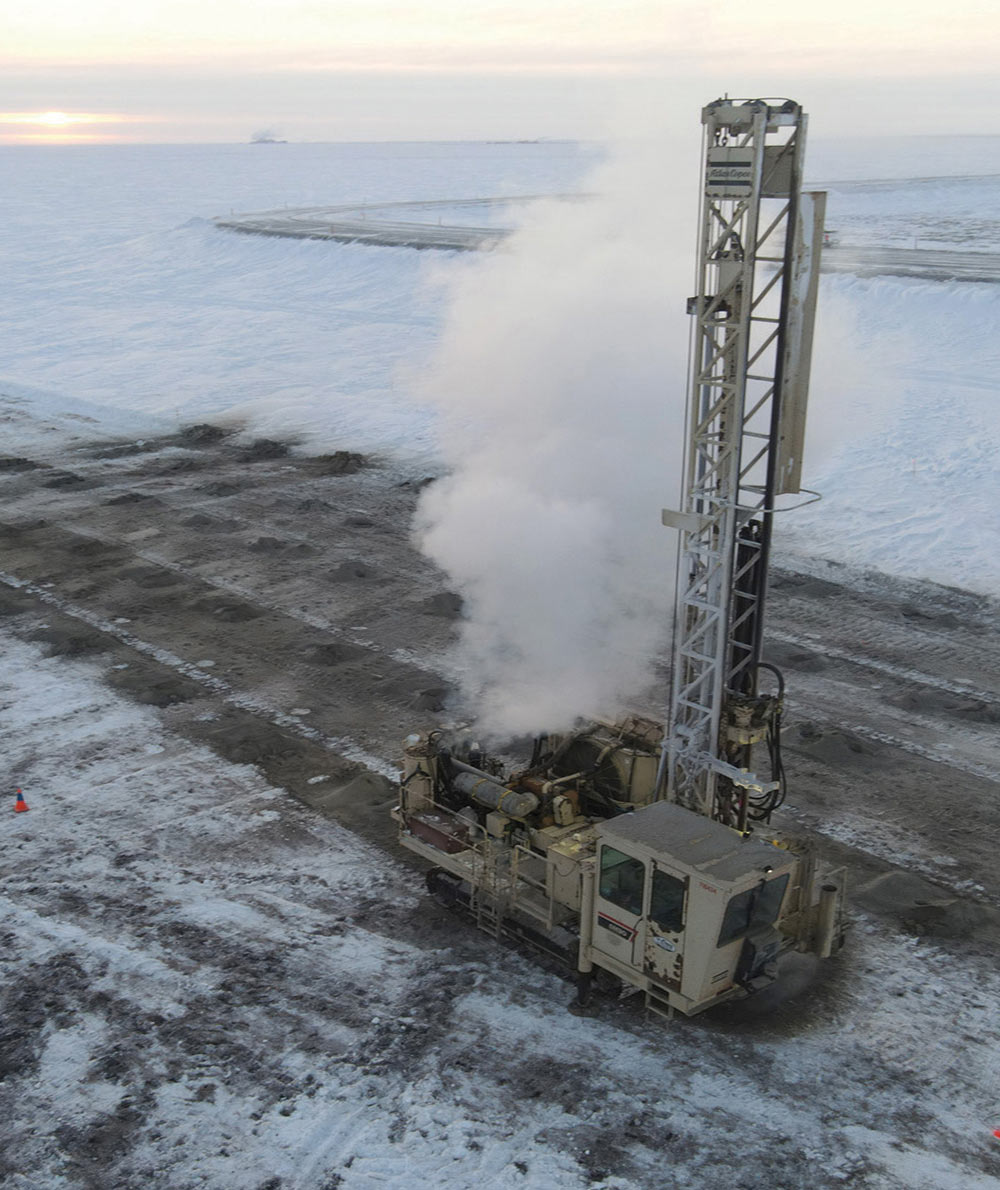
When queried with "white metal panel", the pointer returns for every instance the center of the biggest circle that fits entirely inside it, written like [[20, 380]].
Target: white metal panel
[[803, 287]]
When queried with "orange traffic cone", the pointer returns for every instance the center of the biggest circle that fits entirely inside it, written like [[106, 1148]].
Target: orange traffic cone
[[20, 805]]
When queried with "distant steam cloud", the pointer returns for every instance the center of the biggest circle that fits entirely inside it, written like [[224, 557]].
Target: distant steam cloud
[[560, 381]]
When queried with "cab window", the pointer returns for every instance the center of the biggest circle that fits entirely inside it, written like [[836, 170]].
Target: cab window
[[622, 880], [666, 906], [753, 909]]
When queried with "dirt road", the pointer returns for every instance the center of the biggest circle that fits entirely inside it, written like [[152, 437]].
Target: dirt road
[[271, 607], [274, 607]]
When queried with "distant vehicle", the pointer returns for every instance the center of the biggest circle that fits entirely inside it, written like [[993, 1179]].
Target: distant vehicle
[[831, 239]]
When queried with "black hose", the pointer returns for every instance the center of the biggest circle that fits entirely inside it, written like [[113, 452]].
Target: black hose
[[417, 772], [777, 673], [764, 805]]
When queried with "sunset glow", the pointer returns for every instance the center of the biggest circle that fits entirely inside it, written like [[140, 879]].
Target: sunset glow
[[57, 119], [450, 69], [57, 127]]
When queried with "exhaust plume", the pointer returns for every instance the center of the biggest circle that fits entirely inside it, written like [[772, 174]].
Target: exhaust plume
[[560, 387]]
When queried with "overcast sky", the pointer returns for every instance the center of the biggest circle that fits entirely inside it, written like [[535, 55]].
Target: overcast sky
[[219, 70]]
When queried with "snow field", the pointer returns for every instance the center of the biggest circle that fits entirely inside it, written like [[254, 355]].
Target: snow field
[[119, 293], [210, 985], [143, 874]]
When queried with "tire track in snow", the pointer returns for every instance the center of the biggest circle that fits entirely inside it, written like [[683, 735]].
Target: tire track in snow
[[253, 598], [339, 745], [807, 640]]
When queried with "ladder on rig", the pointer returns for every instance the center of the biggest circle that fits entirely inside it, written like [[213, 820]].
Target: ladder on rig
[[491, 890]]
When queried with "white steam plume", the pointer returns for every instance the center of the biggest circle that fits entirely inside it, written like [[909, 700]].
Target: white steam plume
[[560, 382]]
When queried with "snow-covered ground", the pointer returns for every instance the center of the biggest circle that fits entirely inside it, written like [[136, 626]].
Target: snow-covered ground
[[217, 987], [119, 292], [208, 984]]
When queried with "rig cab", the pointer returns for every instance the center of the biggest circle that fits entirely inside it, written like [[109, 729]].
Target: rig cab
[[584, 864]]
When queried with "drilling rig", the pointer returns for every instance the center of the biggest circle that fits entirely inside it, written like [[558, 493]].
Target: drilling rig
[[641, 853]]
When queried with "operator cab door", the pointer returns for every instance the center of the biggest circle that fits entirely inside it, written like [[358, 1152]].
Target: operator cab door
[[618, 906], [664, 955]]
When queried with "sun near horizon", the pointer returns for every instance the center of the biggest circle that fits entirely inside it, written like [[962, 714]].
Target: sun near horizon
[[104, 72], [62, 127]]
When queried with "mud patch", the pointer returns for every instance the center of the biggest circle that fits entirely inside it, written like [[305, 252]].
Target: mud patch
[[72, 642], [362, 805], [250, 741], [284, 758], [415, 693], [209, 524], [133, 498], [181, 466], [19, 532], [434, 698], [221, 489], [154, 689], [352, 572], [599, 1151], [229, 611], [836, 748], [337, 652], [445, 604], [804, 584], [93, 547], [937, 702], [18, 463], [930, 616], [47, 996], [276, 545], [794, 657], [341, 462], [13, 603], [366, 789], [262, 450], [164, 602], [151, 577], [96, 1146], [201, 435], [190, 939], [923, 909], [67, 479]]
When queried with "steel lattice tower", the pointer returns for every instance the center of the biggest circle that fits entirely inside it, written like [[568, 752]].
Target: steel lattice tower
[[757, 275]]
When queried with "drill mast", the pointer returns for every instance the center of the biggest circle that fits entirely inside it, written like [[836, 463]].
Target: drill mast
[[758, 264]]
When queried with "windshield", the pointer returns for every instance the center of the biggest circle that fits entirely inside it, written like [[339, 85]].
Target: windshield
[[751, 910], [622, 880]]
